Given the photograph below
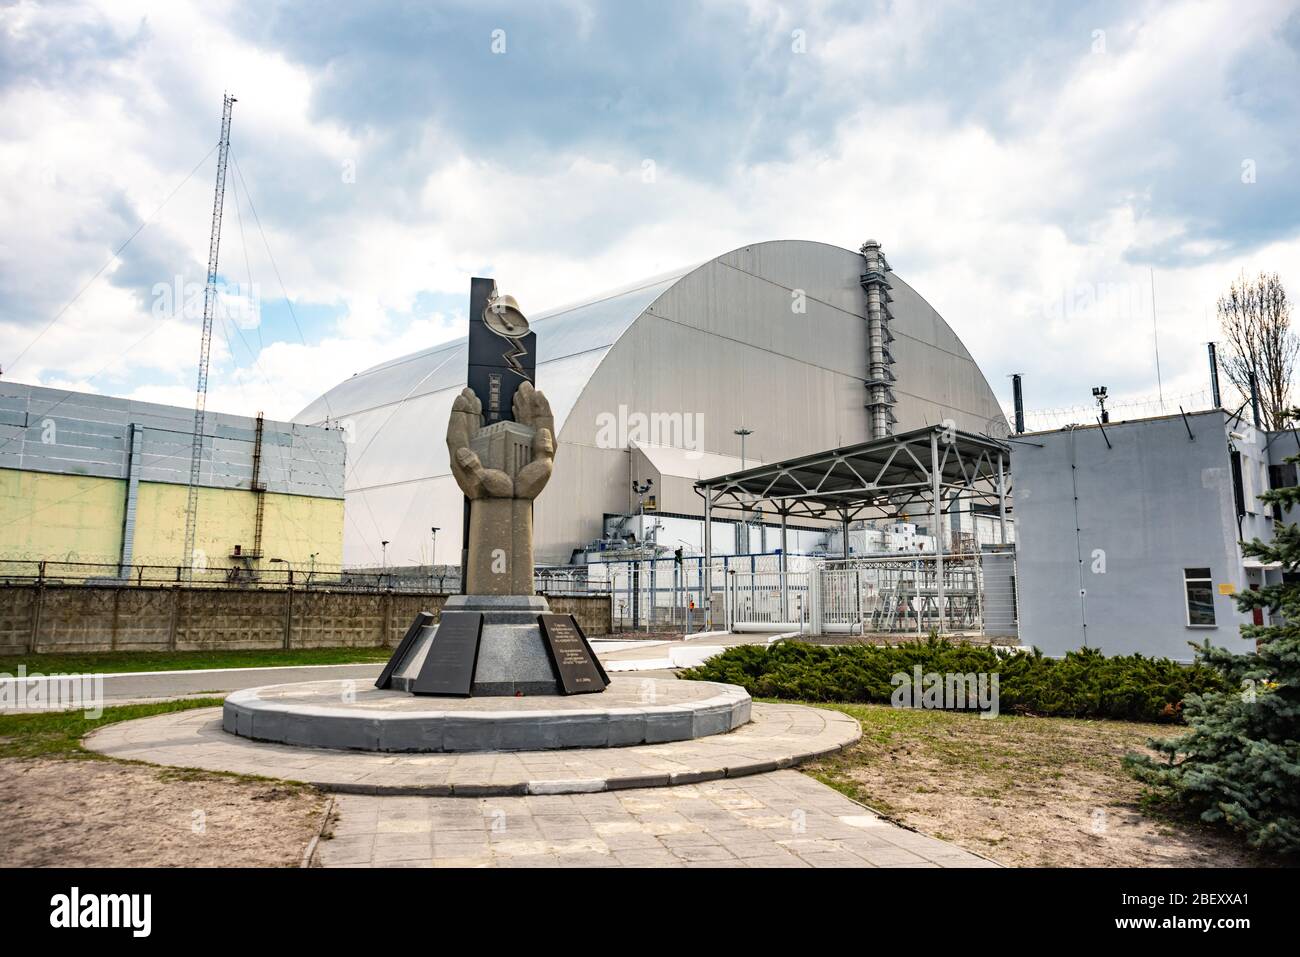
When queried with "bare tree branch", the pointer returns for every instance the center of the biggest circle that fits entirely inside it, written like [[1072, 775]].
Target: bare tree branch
[[1255, 316]]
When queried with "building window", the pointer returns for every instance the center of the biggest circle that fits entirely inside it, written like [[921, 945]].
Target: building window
[[1200, 597], [1282, 476]]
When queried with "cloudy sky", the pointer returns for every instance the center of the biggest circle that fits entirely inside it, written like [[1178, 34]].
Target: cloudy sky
[[1029, 168]]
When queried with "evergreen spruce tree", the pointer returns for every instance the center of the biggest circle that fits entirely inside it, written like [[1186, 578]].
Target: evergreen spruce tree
[[1240, 762]]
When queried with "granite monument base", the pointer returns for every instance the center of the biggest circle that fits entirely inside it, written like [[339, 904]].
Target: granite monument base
[[341, 715], [512, 657]]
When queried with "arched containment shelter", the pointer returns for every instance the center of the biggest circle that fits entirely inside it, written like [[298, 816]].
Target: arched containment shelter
[[772, 337]]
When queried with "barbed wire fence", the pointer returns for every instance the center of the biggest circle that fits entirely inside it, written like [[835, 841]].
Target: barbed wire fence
[[424, 579], [1120, 409]]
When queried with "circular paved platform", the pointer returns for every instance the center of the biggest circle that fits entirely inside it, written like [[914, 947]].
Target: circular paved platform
[[341, 714], [778, 736]]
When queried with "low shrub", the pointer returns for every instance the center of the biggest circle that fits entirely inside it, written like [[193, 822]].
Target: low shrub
[[1083, 684]]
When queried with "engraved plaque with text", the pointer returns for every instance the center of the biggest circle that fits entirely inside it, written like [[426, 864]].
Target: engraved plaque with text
[[575, 663]]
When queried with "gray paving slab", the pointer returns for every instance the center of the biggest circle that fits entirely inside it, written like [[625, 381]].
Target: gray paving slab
[[775, 819], [780, 735]]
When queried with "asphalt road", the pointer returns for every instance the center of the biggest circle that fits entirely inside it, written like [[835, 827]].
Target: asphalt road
[[154, 685], [652, 658]]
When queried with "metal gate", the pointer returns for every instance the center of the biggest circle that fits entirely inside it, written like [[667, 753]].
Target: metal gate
[[767, 601]]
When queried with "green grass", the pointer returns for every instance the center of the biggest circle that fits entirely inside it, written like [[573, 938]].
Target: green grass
[[1005, 753], [59, 733], [1008, 762], [118, 661]]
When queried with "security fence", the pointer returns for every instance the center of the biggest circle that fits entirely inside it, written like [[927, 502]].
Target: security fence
[[272, 574], [657, 594], [773, 601], [891, 595], [974, 594], [75, 618], [809, 595], [250, 574]]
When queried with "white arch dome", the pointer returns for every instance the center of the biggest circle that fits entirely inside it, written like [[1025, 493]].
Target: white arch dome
[[718, 342]]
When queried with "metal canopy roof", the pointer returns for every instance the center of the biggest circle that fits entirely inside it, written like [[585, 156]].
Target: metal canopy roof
[[878, 478]]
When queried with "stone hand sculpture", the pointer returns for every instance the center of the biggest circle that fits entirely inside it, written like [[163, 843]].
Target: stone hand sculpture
[[532, 411], [519, 456]]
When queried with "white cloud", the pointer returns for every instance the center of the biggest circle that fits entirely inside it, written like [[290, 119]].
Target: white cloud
[[1028, 234]]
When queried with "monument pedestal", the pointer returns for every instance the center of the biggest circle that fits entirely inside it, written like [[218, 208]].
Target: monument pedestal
[[496, 673], [512, 658], [633, 710], [490, 646]]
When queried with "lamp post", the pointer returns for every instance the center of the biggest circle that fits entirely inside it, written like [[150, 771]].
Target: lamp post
[[1099, 393], [744, 512], [433, 554], [640, 488], [742, 432], [287, 564], [383, 568], [635, 569]]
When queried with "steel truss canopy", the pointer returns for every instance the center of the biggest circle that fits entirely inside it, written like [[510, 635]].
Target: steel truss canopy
[[881, 478]]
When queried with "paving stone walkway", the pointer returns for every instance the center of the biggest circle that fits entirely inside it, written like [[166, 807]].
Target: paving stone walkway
[[776, 819], [779, 736]]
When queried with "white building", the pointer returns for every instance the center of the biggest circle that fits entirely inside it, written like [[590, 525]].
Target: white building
[[1128, 534]]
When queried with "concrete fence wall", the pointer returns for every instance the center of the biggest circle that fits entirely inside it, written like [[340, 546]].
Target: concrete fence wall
[[78, 618]]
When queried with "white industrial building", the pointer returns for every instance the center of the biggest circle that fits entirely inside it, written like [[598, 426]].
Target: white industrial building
[[650, 383], [1128, 534]]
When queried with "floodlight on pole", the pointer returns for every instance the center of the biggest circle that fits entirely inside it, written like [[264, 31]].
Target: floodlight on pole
[[742, 432], [1099, 393]]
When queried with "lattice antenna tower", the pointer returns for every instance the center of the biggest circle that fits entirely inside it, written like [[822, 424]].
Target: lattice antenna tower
[[205, 343]]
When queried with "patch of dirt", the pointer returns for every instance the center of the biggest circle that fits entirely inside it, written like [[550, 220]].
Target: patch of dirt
[[1035, 792], [87, 813]]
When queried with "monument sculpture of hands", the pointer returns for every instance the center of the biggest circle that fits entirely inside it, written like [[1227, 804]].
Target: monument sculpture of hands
[[520, 457], [532, 411]]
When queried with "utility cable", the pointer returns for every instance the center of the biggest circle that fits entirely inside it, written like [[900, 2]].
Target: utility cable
[[111, 260]]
